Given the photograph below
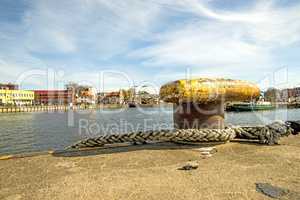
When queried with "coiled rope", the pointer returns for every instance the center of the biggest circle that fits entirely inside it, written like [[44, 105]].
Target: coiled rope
[[269, 134]]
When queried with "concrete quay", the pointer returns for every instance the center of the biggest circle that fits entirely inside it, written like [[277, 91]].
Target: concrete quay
[[151, 172]]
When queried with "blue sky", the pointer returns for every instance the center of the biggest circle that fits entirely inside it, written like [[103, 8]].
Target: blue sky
[[148, 42]]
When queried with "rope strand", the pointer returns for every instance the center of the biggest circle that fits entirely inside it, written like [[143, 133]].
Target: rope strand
[[269, 134]]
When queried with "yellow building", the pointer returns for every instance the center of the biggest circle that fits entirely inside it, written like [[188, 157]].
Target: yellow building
[[16, 97]]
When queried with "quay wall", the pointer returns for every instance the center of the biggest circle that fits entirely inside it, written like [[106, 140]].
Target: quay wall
[[35, 109], [53, 108], [288, 105]]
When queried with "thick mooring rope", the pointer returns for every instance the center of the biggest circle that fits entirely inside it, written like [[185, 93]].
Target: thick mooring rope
[[269, 134]]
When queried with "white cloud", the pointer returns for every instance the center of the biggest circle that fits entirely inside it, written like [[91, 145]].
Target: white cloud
[[74, 36], [100, 27], [199, 8], [205, 44], [264, 22], [78, 35], [239, 44]]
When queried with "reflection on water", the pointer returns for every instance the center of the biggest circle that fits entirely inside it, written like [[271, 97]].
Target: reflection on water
[[27, 132]]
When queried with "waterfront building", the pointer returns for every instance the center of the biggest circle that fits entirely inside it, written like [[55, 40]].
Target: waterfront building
[[111, 98], [86, 95], [54, 97], [16, 97], [287, 95], [143, 97], [83, 94], [272, 95], [291, 95], [74, 94], [100, 97], [127, 97]]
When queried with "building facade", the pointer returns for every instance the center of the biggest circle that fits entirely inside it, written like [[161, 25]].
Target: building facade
[[285, 95], [82, 94], [110, 98], [16, 97], [86, 95], [54, 97]]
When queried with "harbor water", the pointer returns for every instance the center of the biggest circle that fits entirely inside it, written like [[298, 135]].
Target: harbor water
[[41, 131]]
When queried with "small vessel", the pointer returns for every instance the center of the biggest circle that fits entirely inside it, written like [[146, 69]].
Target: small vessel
[[250, 106], [131, 105]]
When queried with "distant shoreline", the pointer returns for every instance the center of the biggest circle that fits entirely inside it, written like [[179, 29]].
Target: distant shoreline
[[53, 108], [18, 109]]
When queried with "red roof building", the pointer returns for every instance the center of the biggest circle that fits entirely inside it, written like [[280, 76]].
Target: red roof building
[[54, 97]]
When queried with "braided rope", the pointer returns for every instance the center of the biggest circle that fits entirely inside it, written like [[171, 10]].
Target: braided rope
[[269, 134]]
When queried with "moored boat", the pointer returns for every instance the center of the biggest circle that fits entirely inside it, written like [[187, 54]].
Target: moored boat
[[131, 105], [250, 106]]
